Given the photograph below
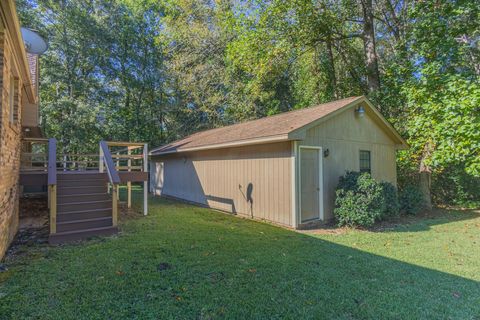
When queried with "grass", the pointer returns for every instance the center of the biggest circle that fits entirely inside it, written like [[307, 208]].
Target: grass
[[186, 262]]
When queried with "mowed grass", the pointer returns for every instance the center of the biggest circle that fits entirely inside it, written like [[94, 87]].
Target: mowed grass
[[185, 262]]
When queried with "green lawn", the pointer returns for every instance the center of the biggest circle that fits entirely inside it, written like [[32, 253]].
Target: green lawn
[[187, 262]]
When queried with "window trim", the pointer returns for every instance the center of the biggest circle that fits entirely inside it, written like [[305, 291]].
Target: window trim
[[360, 159]]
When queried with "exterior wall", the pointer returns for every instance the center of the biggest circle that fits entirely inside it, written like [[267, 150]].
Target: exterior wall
[[344, 136], [10, 135], [30, 111], [253, 181]]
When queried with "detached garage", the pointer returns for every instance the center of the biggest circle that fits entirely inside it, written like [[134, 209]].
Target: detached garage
[[282, 168]]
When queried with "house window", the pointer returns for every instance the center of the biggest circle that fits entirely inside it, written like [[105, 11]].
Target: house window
[[365, 161]]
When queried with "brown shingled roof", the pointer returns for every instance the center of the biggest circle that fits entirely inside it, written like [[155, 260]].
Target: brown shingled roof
[[272, 128]]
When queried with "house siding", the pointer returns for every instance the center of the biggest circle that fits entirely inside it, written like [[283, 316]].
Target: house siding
[[344, 135], [10, 141], [254, 181]]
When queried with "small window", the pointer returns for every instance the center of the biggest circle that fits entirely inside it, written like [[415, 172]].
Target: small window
[[365, 163]]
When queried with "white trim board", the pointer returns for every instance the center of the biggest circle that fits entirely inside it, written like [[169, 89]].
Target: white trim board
[[293, 182], [320, 181]]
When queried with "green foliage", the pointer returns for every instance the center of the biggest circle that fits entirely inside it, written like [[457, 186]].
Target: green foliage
[[156, 71], [411, 199], [390, 197], [445, 116], [453, 186], [103, 76], [361, 201]]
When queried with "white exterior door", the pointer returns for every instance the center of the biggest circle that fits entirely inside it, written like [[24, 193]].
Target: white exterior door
[[310, 183]]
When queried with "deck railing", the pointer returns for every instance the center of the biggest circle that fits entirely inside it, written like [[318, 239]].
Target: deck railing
[[128, 160], [34, 156], [114, 178], [130, 157]]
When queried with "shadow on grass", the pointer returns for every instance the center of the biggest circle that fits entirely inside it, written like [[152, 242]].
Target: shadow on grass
[[224, 267], [426, 220]]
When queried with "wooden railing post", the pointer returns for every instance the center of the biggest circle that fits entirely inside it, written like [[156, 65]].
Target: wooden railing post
[[145, 183], [114, 179], [100, 160], [129, 183], [118, 168], [114, 205]]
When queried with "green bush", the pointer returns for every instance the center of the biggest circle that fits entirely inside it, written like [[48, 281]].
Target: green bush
[[453, 186], [411, 200], [361, 200], [390, 196]]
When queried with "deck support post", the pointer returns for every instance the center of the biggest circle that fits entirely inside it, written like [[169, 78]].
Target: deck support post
[[52, 191], [129, 183], [100, 161], [114, 205], [145, 183], [118, 168]]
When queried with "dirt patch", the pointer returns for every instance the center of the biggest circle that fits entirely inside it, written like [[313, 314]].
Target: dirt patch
[[126, 213], [335, 231], [34, 228]]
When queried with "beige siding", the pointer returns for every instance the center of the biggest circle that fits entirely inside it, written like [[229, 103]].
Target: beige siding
[[253, 180], [344, 136]]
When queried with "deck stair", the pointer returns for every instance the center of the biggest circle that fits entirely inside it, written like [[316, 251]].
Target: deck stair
[[84, 207], [83, 188]]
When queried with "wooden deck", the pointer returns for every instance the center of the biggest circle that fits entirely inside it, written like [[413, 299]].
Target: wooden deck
[[83, 189]]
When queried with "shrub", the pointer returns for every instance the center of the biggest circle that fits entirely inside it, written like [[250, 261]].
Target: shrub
[[361, 200], [453, 186], [390, 196], [411, 199]]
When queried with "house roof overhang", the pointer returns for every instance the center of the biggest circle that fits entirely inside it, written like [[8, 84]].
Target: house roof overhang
[[10, 19]]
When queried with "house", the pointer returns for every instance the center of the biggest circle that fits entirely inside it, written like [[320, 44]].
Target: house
[[81, 190], [283, 168], [18, 116]]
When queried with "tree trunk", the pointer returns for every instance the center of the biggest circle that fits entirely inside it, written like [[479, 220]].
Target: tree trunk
[[371, 58], [331, 69], [425, 179]]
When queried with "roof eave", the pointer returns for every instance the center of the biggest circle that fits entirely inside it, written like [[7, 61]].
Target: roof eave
[[300, 133], [240, 143], [12, 23]]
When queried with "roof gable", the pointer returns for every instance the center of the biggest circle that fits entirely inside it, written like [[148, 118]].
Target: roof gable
[[371, 111], [282, 127]]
